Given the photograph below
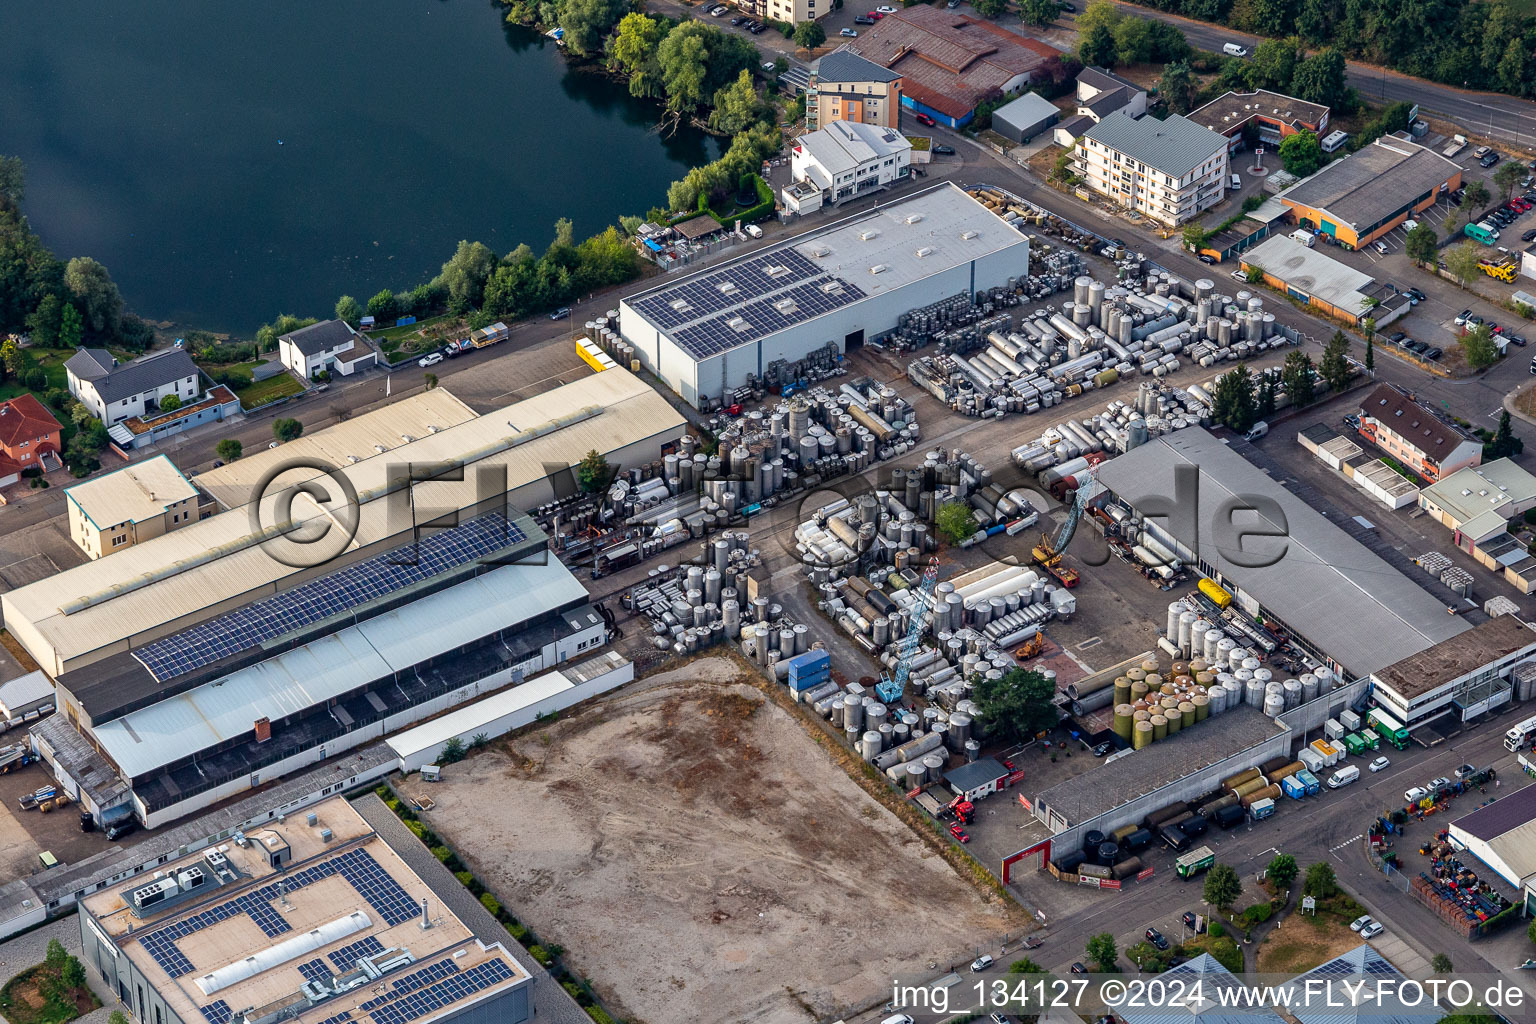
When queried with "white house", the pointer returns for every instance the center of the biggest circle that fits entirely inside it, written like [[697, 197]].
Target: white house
[[848, 159], [114, 393], [1101, 93], [328, 345]]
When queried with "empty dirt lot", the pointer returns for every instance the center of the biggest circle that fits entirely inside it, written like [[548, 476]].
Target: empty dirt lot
[[701, 858]]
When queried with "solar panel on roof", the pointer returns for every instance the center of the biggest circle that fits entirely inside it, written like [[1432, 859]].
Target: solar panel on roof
[[443, 993], [315, 970], [347, 956], [217, 1012], [437, 552]]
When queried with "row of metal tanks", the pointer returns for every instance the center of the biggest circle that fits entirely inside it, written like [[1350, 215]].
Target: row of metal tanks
[[1067, 448], [1103, 333], [1239, 669], [692, 607], [911, 747]]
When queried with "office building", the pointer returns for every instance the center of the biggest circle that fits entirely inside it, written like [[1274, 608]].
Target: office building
[[1169, 170], [848, 87]]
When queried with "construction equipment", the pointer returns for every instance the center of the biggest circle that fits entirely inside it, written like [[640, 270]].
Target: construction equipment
[[1503, 268], [1031, 648], [1048, 552], [891, 686]]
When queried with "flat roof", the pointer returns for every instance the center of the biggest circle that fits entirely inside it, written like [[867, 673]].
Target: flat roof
[[844, 146], [234, 483], [334, 931], [1174, 146], [1228, 112], [816, 272], [1364, 188], [1475, 490], [171, 581], [1123, 779], [1311, 271], [1326, 585], [135, 493], [1451, 659]]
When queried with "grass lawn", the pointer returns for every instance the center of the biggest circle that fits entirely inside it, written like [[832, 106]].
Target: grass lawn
[[399, 342], [264, 391], [28, 999], [1302, 941]]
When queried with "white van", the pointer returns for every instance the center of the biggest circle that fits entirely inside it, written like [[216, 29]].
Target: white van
[[1257, 431], [1234, 50], [1343, 777], [1304, 236], [1237, 183]]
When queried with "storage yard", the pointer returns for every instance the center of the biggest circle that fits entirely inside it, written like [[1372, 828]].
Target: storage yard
[[699, 813]]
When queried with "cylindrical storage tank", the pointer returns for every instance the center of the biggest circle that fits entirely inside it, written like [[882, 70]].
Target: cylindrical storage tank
[[874, 715], [1123, 720], [1159, 727], [917, 775], [1253, 693], [1231, 782], [972, 750], [1251, 786], [1106, 852], [1291, 693], [1186, 713], [1138, 691], [1274, 706], [1263, 675], [1310, 690], [1092, 839], [1175, 720], [869, 745], [1122, 690], [853, 713], [1267, 793], [1127, 868], [1141, 735], [1176, 611], [934, 763], [1202, 705]]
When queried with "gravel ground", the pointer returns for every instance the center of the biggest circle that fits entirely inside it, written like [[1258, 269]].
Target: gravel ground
[[24, 951]]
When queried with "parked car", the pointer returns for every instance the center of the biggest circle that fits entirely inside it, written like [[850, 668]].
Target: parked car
[[849, 33], [959, 833], [738, 20], [1379, 246], [863, 19], [1527, 236], [431, 359], [1359, 922], [875, 14], [757, 28], [1441, 783], [1380, 764], [1238, 275], [925, 119], [1465, 770], [981, 963], [768, 66], [719, 10], [1433, 353], [1103, 749], [1156, 938], [1421, 347], [1489, 160], [944, 150], [886, 9], [1416, 295], [1191, 919], [952, 4], [897, 1018], [1396, 336], [1207, 259], [1518, 340], [1078, 968], [1415, 794], [1371, 930], [561, 313], [1481, 151], [1463, 317]]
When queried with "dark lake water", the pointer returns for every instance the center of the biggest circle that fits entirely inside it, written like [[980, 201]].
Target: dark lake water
[[151, 132]]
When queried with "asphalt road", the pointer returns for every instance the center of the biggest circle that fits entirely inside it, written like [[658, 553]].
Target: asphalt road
[[1505, 118]]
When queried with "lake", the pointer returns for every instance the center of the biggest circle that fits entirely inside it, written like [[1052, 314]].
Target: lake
[[229, 162]]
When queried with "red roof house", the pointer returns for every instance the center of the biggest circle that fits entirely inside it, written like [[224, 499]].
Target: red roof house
[[27, 432]]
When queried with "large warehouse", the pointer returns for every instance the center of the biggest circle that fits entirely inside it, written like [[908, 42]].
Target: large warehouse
[[208, 661], [841, 285], [1332, 595], [314, 921], [1502, 835]]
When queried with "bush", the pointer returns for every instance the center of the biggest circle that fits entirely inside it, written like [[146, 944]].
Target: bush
[[518, 931], [466, 878], [491, 904], [1216, 930], [541, 954], [598, 1015], [442, 853]]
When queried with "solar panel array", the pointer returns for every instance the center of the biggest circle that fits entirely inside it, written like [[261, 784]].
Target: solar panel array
[[347, 956], [413, 981], [255, 905], [339, 1018], [217, 1012], [450, 990], [375, 885], [315, 970], [763, 317], [703, 295], [437, 552]]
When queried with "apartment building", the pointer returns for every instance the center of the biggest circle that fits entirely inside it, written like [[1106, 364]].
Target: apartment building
[[115, 510], [1167, 170], [848, 87], [1415, 436]]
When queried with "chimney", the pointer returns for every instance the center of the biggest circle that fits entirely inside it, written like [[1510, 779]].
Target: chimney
[[426, 922], [263, 730]]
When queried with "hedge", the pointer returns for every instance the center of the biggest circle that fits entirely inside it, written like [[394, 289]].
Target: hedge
[[540, 954], [764, 208], [597, 1014], [490, 903]]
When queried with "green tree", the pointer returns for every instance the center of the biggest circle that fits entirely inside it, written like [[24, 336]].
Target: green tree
[[594, 472], [1016, 706], [1504, 444], [633, 51], [1282, 870], [71, 327], [1264, 395], [1028, 966], [1178, 86], [82, 416], [229, 449], [1478, 347], [466, 273], [1476, 197], [72, 974], [1222, 887], [1233, 403], [990, 8], [1461, 260], [1370, 350], [1273, 64], [1096, 46], [429, 381], [56, 955], [1133, 41], [453, 751], [1334, 367], [737, 105], [1296, 376], [383, 306], [1508, 176], [10, 357], [348, 309], [1301, 154], [588, 22], [1255, 275], [287, 428], [1039, 12], [1441, 964], [1321, 883], [1101, 950], [44, 321], [170, 403], [1195, 237], [809, 35], [94, 290], [1422, 243], [954, 521], [683, 59], [286, 323], [1320, 79]]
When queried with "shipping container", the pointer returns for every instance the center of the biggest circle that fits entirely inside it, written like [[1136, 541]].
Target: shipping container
[[1309, 780], [1349, 720], [1332, 729], [1293, 787], [1262, 810], [1354, 744], [1194, 862]]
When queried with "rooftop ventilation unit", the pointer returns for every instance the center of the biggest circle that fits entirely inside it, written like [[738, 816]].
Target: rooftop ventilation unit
[[833, 287], [155, 892], [968, 235], [776, 270], [924, 251], [913, 218], [433, 428], [868, 235], [879, 268], [380, 449], [736, 323], [407, 438], [353, 458], [726, 287], [680, 305], [191, 877], [819, 251], [785, 305]]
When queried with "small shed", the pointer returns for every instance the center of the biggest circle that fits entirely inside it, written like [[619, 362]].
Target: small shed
[[1025, 117], [698, 227], [977, 779], [25, 698]]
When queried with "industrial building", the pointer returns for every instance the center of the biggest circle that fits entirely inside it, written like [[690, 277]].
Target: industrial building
[[1502, 835], [1170, 170], [257, 662], [1357, 199], [1311, 276], [1275, 116], [845, 161], [1371, 475], [1359, 986], [1024, 118], [848, 87], [311, 920], [949, 62], [126, 506], [1466, 675], [1477, 503], [711, 332], [1308, 568], [1413, 435]]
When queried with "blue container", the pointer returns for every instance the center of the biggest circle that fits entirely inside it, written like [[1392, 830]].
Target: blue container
[[797, 682]]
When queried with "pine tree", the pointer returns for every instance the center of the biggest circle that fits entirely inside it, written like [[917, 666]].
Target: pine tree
[[1297, 376], [1233, 403], [1334, 367]]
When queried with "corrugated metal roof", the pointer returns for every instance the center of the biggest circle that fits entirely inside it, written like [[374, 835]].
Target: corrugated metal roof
[[318, 671], [1310, 271], [178, 577], [132, 494], [1175, 146], [1339, 595], [1371, 184]]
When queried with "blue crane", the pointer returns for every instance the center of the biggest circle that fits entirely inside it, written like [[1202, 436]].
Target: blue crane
[[891, 685]]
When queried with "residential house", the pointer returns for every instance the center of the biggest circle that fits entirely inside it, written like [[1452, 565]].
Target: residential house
[[115, 392], [330, 345], [1416, 437], [848, 87], [115, 510], [28, 432], [1101, 92], [1170, 171], [847, 159]]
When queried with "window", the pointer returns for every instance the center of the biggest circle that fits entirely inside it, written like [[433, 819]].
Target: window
[[119, 539]]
